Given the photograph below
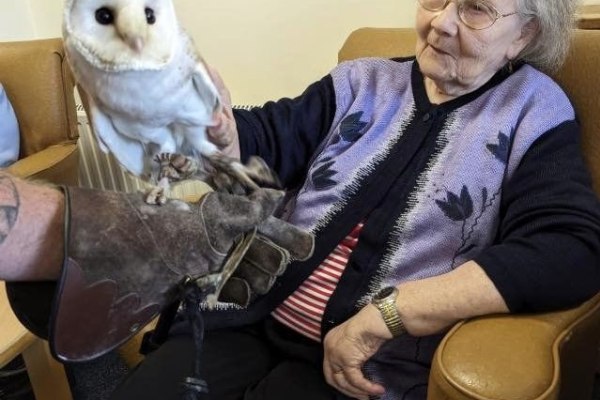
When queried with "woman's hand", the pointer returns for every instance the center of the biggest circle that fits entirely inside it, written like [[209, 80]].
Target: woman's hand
[[426, 306], [224, 131], [348, 346]]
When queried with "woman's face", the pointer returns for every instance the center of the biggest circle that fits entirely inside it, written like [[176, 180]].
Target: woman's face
[[459, 59]]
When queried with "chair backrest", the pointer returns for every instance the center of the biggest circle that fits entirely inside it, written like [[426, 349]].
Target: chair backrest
[[39, 84], [579, 77]]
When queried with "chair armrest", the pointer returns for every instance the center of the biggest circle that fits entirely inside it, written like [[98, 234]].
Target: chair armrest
[[57, 164], [14, 337], [518, 356], [47, 376]]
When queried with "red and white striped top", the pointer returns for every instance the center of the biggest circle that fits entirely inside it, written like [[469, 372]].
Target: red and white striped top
[[303, 310]]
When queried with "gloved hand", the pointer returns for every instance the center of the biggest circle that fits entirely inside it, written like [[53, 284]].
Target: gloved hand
[[275, 245], [125, 260]]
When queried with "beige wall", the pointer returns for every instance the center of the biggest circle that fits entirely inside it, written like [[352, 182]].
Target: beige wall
[[265, 49], [47, 17], [16, 22], [29, 19]]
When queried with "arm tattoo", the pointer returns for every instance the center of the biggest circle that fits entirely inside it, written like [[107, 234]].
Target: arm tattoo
[[9, 206]]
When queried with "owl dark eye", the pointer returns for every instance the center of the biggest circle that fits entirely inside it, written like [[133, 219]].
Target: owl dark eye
[[150, 17], [104, 16]]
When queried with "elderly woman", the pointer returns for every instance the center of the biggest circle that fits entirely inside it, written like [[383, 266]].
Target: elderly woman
[[439, 187]]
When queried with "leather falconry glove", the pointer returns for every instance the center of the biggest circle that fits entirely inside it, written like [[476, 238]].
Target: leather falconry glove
[[126, 260], [275, 245]]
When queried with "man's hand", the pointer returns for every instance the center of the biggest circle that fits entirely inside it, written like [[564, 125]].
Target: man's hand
[[224, 132], [348, 346], [276, 243]]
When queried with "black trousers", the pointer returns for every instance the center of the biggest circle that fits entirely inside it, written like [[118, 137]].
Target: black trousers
[[264, 361]]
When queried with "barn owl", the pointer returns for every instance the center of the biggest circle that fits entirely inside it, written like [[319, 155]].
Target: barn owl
[[150, 94]]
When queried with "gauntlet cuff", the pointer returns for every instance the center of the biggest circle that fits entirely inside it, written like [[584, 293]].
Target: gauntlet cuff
[[125, 261]]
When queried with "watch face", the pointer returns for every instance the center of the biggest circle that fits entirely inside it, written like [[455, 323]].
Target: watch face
[[385, 292]]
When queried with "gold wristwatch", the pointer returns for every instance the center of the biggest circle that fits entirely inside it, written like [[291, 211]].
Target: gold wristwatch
[[385, 301]]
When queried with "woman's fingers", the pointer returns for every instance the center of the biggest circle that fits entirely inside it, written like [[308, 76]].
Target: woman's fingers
[[347, 348], [341, 383], [356, 378], [351, 381]]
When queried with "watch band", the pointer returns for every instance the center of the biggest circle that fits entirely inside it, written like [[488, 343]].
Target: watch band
[[389, 312]]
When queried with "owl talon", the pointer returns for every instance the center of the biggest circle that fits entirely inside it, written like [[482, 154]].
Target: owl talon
[[156, 196], [169, 172], [175, 167], [234, 177]]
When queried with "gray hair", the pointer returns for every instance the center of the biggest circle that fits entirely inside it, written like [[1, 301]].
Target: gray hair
[[555, 19]]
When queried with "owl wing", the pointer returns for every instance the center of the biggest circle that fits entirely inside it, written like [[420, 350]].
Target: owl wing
[[205, 88], [206, 103], [129, 153]]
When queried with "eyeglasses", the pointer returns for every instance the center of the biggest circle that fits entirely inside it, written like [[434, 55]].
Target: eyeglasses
[[476, 14]]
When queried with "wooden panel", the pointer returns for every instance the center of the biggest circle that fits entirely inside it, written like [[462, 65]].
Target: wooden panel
[[14, 338], [47, 375]]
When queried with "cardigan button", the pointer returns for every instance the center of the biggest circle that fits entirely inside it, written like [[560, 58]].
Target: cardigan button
[[426, 117]]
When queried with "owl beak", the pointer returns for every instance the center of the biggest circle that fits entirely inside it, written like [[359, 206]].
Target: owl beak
[[131, 26], [136, 43]]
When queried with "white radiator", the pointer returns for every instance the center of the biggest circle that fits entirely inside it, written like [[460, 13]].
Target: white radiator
[[98, 169]]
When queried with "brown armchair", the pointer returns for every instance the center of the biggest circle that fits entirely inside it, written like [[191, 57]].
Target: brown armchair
[[39, 85], [524, 357]]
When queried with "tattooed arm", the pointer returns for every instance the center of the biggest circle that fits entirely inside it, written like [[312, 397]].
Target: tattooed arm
[[31, 230]]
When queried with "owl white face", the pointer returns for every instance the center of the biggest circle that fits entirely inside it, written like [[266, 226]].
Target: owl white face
[[122, 34]]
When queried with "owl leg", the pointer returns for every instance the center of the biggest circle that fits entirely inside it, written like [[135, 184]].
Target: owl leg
[[172, 168], [226, 173], [159, 194]]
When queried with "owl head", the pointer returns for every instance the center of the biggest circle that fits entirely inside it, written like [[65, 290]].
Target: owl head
[[122, 34]]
